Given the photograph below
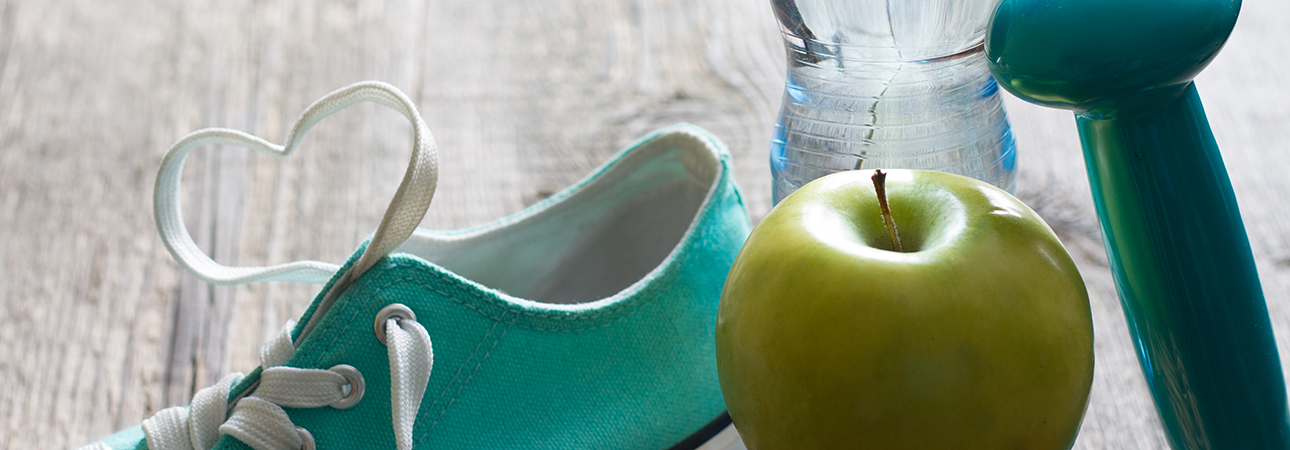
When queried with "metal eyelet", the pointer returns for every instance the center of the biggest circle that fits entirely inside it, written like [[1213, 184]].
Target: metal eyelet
[[393, 311], [356, 386], [306, 439]]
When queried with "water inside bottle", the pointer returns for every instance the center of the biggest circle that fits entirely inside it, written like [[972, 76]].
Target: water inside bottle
[[888, 84]]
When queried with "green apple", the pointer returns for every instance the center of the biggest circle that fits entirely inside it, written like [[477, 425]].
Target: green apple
[[978, 334]]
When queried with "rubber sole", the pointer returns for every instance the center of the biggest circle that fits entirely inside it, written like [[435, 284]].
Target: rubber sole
[[719, 434]]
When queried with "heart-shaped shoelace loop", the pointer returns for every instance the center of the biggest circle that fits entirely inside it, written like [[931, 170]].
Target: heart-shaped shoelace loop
[[401, 217]]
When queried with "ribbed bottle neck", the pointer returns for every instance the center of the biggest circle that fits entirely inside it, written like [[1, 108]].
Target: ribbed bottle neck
[[805, 50]]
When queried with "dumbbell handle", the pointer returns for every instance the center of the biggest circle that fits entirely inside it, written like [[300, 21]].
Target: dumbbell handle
[[1186, 277]]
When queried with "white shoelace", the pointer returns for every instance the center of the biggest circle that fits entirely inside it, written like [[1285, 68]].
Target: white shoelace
[[259, 420], [401, 217]]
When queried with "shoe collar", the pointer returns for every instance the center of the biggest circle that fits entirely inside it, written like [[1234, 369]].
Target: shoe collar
[[702, 157]]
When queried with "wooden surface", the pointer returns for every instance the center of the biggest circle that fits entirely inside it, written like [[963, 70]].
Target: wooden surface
[[99, 327]]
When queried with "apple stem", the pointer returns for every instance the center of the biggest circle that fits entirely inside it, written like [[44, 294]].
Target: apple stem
[[880, 185]]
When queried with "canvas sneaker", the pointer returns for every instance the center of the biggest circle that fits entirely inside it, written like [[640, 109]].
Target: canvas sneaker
[[583, 322]]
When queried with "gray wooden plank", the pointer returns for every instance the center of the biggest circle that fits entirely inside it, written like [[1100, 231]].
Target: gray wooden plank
[[100, 328]]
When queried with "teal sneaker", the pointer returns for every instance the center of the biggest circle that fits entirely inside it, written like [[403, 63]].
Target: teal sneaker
[[583, 322]]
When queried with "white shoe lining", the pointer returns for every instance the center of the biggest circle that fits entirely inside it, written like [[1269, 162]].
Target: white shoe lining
[[605, 236]]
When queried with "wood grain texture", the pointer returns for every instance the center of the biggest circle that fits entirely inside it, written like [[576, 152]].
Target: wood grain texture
[[100, 328]]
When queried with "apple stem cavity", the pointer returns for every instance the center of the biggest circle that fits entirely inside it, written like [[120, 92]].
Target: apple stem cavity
[[880, 187]]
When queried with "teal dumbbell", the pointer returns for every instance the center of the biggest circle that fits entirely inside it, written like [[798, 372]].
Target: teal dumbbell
[[1173, 233]]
